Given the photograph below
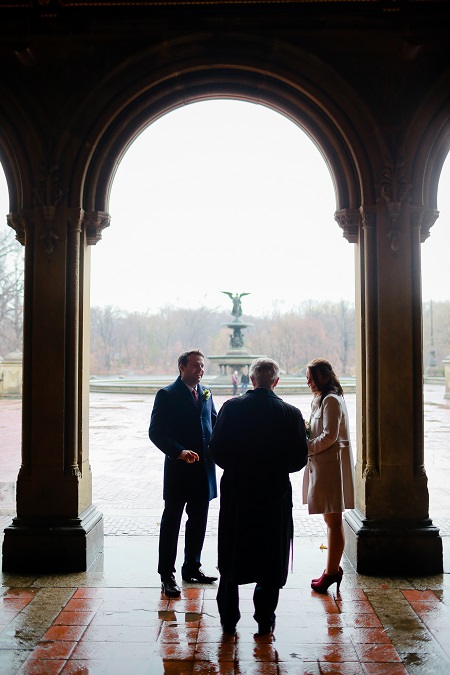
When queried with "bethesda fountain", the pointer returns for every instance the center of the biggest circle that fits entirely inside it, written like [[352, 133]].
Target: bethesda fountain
[[237, 357]]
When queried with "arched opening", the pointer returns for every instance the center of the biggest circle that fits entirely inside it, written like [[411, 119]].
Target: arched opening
[[237, 194], [436, 351]]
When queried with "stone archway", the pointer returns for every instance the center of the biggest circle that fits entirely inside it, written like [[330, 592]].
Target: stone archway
[[55, 512]]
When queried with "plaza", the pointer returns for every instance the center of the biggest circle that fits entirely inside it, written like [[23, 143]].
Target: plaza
[[112, 619]]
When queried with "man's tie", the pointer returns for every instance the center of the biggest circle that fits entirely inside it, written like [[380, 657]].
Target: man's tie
[[195, 395]]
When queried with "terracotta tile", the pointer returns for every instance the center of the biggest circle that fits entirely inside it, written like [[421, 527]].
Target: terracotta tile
[[21, 593], [344, 668], [121, 633], [90, 593], [357, 606], [299, 668], [369, 636], [363, 620], [178, 633], [384, 669], [176, 652], [423, 607], [91, 667], [214, 652], [294, 652], [14, 603], [68, 633], [377, 653], [136, 617], [251, 668], [214, 634], [420, 596], [256, 651], [41, 667], [73, 618], [208, 668], [176, 668], [115, 651], [337, 653], [53, 650], [83, 605]]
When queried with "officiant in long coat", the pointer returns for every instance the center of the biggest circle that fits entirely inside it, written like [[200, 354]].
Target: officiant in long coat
[[258, 440]]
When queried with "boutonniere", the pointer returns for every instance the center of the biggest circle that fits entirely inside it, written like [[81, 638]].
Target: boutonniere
[[308, 429], [206, 394]]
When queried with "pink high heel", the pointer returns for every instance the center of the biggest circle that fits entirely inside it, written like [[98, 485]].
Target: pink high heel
[[319, 578], [327, 580]]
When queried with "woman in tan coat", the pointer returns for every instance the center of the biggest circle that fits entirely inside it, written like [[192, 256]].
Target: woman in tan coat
[[328, 482]]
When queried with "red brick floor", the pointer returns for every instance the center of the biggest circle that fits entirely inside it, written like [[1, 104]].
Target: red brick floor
[[134, 630]]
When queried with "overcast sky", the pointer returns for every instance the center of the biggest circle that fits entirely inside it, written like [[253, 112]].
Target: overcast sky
[[230, 196]]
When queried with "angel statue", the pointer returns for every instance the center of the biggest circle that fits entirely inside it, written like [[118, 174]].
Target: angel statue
[[237, 305]]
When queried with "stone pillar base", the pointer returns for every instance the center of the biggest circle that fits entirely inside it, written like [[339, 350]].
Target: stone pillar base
[[65, 545], [392, 548]]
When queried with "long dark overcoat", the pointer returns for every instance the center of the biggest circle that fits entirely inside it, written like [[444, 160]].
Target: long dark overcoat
[[258, 440], [178, 423]]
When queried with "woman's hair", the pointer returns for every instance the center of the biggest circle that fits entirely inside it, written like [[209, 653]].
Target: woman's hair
[[330, 382]]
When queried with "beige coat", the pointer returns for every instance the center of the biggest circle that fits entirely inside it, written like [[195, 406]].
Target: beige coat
[[328, 481]]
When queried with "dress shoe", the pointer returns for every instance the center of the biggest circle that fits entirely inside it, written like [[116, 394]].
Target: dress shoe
[[169, 587], [266, 628], [230, 630], [197, 577], [326, 580], [319, 578]]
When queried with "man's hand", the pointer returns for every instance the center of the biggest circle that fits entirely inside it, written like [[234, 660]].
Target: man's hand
[[188, 456]]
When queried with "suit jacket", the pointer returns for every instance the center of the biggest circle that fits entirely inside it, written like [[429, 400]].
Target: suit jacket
[[258, 440], [328, 481], [179, 423]]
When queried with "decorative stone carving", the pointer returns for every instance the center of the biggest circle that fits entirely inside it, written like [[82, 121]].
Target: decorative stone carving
[[17, 222], [393, 189], [48, 194], [424, 219], [95, 222], [349, 221]]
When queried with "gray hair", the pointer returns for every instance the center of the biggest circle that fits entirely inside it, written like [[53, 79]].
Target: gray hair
[[265, 372]]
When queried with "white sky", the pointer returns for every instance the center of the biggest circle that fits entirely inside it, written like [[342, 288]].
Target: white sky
[[231, 196]]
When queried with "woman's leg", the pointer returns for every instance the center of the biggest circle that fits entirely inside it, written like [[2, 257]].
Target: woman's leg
[[336, 541]]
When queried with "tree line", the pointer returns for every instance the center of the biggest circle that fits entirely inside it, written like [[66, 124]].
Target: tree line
[[149, 343]]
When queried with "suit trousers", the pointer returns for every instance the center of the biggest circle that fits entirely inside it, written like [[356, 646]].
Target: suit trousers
[[197, 513], [265, 601]]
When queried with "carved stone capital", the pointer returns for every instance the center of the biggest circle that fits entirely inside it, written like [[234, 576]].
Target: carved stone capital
[[95, 222], [424, 219], [349, 220], [19, 223]]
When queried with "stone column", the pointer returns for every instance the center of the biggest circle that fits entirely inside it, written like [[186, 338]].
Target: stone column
[[390, 531], [57, 528]]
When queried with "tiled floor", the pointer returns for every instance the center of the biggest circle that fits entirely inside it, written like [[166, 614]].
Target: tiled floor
[[113, 620]]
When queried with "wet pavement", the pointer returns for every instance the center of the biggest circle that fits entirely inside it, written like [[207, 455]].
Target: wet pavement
[[113, 620]]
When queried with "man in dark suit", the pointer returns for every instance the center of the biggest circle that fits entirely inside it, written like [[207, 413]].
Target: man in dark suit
[[258, 440], [181, 424]]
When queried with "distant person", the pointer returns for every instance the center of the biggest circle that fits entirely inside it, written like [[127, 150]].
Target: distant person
[[245, 381], [181, 424], [328, 481], [258, 440], [235, 382]]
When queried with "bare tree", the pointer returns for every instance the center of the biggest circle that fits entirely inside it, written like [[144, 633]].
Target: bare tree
[[11, 292]]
